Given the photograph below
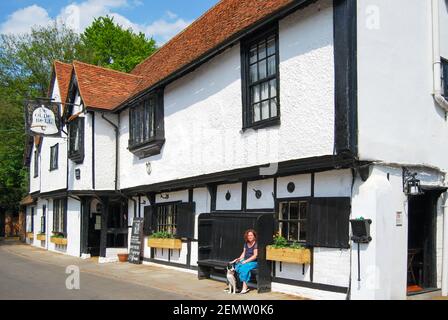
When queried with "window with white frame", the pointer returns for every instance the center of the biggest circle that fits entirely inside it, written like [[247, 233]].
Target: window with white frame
[[260, 60], [59, 215], [292, 219], [54, 155]]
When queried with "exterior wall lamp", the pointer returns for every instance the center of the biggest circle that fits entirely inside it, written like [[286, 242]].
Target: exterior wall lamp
[[411, 185]]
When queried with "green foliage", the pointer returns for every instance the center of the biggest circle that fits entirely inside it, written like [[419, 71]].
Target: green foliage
[[114, 47], [162, 235], [58, 235], [25, 67], [280, 243]]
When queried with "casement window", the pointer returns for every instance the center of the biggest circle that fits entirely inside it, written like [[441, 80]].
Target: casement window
[[445, 77], [260, 80], [292, 220], [76, 140], [146, 126], [59, 215], [175, 218], [54, 155], [36, 164], [43, 220], [315, 222], [31, 229]]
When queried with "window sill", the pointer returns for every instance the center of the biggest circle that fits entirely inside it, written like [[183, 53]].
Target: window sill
[[147, 149], [263, 124]]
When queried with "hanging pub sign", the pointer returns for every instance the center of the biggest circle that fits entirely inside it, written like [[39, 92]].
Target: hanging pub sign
[[42, 118]]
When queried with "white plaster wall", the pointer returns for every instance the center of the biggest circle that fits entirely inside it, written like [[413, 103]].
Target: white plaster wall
[[336, 183], [173, 197], [236, 194], [203, 110], [398, 119], [267, 199], [85, 183], [443, 7], [307, 293], [73, 227], [384, 260], [302, 183], [57, 179], [104, 152], [34, 182], [202, 199]]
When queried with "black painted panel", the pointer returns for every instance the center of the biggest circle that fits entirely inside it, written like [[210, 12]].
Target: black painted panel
[[329, 222], [185, 220]]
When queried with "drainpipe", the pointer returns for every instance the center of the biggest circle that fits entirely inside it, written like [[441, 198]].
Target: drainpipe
[[437, 64], [445, 249], [116, 148]]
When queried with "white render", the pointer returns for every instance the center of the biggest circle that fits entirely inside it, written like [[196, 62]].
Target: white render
[[399, 125], [396, 84], [203, 110]]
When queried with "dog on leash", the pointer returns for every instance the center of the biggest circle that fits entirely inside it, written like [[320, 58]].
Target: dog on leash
[[231, 278]]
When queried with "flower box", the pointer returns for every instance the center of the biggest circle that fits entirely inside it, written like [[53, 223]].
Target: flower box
[[30, 235], [59, 241], [165, 243], [288, 255], [41, 237]]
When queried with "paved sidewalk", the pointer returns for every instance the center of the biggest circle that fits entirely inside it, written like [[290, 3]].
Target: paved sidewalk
[[167, 280]]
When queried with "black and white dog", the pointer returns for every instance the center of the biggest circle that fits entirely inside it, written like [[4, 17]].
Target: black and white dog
[[231, 278]]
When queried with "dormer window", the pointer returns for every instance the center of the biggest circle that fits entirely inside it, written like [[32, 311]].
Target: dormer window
[[146, 127]]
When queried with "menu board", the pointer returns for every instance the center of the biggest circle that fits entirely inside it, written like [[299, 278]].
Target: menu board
[[136, 246]]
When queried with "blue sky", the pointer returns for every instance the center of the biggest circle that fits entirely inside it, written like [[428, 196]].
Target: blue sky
[[160, 19]]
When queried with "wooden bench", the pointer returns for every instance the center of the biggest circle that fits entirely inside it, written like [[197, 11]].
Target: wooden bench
[[206, 266]]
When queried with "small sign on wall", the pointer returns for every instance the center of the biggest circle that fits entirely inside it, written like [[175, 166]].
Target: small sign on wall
[[399, 219]]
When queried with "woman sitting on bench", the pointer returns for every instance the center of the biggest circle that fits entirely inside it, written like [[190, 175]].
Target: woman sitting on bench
[[248, 259]]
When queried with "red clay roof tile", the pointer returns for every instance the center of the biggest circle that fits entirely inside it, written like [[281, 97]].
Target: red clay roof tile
[[102, 88], [216, 26]]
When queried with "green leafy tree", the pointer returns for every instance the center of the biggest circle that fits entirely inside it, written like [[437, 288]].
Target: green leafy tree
[[114, 47], [25, 65]]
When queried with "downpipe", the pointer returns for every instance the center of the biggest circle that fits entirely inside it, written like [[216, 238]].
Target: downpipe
[[437, 63], [445, 249]]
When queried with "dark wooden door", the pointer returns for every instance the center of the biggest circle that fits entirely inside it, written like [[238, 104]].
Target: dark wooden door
[[94, 234]]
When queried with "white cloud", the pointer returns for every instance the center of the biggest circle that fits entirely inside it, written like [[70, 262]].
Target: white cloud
[[21, 21], [79, 15]]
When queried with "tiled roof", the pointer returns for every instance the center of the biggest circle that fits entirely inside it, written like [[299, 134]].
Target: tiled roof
[[102, 88], [63, 72], [219, 24]]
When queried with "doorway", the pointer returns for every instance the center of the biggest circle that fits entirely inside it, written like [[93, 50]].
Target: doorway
[[422, 233]]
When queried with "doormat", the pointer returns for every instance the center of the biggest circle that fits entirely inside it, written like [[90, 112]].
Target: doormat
[[412, 289]]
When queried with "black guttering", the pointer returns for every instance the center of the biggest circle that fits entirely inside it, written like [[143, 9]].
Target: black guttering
[[93, 150], [301, 166], [346, 77], [294, 6]]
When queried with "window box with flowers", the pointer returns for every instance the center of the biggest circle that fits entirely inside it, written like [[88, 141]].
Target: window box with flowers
[[41, 237], [282, 251], [164, 240], [58, 239], [30, 235]]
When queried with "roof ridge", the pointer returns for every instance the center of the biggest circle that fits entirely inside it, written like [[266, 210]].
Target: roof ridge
[[180, 33], [61, 62], [106, 69]]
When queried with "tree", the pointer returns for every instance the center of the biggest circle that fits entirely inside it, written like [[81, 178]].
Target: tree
[[114, 47], [25, 66]]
